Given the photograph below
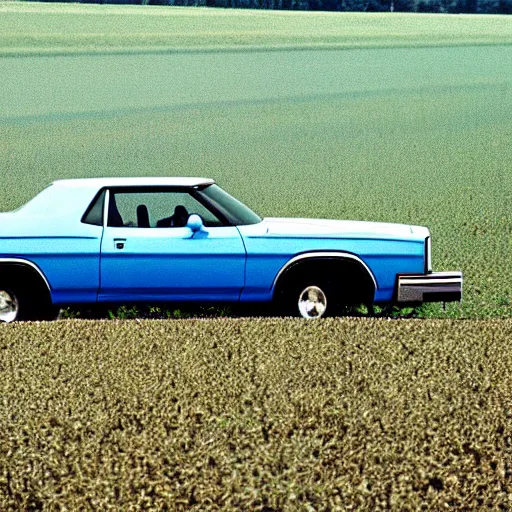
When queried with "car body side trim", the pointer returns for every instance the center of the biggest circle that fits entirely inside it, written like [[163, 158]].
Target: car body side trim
[[28, 263], [325, 254], [424, 282]]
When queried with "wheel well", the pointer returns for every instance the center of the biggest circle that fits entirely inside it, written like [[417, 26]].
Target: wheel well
[[26, 276], [349, 273]]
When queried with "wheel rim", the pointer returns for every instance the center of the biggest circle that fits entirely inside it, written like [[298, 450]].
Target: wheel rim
[[312, 302], [8, 306]]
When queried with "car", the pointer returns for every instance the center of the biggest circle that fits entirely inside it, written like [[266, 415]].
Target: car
[[107, 241]]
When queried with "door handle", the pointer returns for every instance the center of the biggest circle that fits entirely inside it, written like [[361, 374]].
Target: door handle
[[119, 243]]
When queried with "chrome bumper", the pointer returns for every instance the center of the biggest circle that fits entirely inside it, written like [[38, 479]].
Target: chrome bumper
[[434, 287]]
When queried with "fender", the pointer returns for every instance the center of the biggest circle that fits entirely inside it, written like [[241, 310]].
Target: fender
[[322, 255]]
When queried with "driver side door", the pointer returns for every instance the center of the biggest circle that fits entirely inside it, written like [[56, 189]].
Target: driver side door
[[148, 253]]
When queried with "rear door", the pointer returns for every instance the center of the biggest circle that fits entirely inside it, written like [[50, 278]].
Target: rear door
[[148, 254]]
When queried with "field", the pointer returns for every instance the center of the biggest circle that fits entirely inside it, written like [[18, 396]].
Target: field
[[417, 134], [61, 29], [400, 118], [256, 415]]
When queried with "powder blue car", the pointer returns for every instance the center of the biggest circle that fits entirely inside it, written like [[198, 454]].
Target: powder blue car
[[160, 240]]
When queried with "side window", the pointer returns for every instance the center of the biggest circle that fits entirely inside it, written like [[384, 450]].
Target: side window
[[155, 209], [94, 214]]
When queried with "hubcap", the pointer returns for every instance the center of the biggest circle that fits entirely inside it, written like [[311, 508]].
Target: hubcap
[[8, 306], [312, 302]]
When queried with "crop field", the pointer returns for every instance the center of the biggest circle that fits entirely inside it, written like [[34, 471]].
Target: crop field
[[391, 117], [254, 414], [399, 128], [63, 29]]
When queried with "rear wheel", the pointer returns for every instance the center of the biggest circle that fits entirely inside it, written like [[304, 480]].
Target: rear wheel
[[9, 306], [21, 302]]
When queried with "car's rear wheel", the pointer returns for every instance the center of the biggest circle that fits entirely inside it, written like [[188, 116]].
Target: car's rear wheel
[[18, 302], [9, 306]]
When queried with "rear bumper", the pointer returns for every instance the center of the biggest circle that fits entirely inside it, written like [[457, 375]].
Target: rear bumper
[[433, 287]]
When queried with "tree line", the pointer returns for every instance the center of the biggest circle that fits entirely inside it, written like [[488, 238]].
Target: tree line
[[427, 6]]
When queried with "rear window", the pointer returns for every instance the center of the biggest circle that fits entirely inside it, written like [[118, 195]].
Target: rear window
[[94, 214]]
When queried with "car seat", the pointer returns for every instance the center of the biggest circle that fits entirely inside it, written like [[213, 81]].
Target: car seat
[[177, 220], [142, 216]]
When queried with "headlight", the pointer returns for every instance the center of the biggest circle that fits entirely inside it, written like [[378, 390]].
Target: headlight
[[428, 255]]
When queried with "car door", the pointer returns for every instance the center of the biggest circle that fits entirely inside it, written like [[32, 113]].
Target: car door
[[148, 254]]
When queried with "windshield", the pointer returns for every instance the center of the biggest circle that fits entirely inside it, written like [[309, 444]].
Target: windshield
[[236, 212]]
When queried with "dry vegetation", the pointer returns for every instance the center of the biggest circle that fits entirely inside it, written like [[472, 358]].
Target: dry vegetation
[[256, 415]]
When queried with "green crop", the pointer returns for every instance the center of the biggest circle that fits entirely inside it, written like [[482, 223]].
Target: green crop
[[46, 29], [412, 135]]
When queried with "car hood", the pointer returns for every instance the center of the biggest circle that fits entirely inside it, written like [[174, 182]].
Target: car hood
[[326, 228]]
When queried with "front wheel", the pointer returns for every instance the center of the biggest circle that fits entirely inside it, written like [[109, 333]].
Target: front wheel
[[311, 300]]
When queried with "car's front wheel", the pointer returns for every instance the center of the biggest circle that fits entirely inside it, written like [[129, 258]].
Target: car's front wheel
[[312, 302], [311, 299]]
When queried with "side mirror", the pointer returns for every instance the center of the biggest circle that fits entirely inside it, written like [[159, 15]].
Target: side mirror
[[195, 223]]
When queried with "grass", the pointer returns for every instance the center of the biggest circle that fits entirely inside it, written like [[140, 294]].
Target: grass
[[410, 135], [256, 414], [42, 29]]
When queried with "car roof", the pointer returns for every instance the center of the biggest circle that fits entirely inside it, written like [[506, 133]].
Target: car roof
[[98, 183]]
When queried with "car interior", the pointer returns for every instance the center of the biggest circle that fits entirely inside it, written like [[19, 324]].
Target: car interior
[[127, 209]]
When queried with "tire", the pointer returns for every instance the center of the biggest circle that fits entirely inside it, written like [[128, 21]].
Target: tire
[[17, 303], [311, 299], [323, 287]]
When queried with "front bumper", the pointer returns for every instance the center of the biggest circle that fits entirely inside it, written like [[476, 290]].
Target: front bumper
[[433, 287]]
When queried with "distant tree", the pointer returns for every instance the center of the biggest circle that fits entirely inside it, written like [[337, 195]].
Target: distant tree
[[467, 6], [353, 5], [377, 6], [495, 6], [429, 6], [505, 7], [403, 5], [325, 5]]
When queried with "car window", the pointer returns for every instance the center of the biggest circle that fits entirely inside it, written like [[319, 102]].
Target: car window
[[156, 209], [94, 214]]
